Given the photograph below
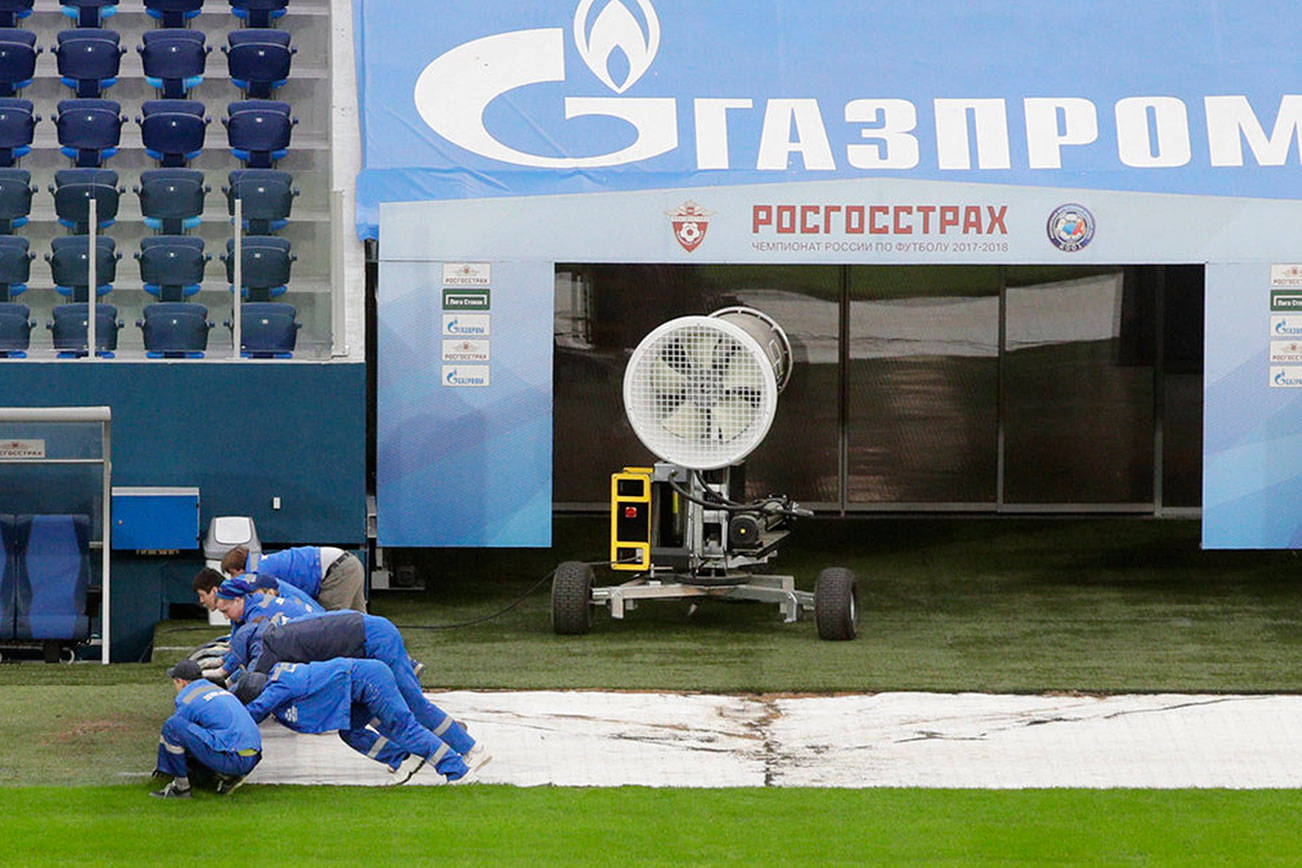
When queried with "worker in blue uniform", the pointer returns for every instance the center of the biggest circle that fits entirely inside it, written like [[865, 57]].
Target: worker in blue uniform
[[207, 580], [328, 635], [347, 695], [210, 728], [331, 575], [250, 613]]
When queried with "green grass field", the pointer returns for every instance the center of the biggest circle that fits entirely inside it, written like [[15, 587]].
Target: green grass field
[[1095, 606], [634, 826]]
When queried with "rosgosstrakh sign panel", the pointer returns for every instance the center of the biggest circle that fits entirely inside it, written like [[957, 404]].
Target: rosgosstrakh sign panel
[[467, 274], [466, 350], [26, 448]]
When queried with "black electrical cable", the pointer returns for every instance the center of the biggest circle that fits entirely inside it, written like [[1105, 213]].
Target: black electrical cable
[[727, 505]]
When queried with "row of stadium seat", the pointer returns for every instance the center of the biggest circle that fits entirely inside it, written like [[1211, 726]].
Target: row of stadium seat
[[171, 266], [174, 60], [44, 578], [170, 13], [268, 330], [172, 130], [171, 200]]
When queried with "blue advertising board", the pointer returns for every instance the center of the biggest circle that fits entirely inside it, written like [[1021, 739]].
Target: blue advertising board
[[763, 131]]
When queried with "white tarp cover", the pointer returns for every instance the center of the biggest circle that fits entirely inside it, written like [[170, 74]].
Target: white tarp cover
[[882, 740]]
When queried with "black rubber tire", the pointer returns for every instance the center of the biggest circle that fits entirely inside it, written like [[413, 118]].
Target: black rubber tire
[[572, 599], [836, 604]]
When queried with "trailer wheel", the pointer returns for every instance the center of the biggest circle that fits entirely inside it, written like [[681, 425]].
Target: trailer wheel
[[572, 599], [836, 604]]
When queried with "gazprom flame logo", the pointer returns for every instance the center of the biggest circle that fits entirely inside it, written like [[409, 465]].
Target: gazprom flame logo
[[615, 29], [455, 90]]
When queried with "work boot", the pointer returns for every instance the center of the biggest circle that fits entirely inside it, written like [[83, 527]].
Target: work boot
[[227, 784], [171, 791], [476, 758]]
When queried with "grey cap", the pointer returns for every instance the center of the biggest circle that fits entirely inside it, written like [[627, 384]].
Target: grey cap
[[187, 670]]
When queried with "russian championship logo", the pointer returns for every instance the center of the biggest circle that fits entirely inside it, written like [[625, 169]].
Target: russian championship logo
[[1070, 227], [690, 222]]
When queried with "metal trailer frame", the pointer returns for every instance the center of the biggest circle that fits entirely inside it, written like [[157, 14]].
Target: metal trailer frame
[[762, 588], [104, 416]]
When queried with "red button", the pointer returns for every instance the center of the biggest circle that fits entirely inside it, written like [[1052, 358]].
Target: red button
[[630, 512]]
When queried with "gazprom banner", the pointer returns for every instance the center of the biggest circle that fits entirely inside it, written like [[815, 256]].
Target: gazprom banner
[[514, 134], [523, 97]]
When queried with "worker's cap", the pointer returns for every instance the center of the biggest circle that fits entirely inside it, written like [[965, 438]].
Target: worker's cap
[[187, 670], [232, 588], [249, 686]]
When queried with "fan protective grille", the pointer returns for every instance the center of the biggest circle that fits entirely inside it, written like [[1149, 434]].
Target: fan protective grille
[[700, 392]]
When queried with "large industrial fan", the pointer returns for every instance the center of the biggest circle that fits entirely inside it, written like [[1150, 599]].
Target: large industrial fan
[[701, 393]]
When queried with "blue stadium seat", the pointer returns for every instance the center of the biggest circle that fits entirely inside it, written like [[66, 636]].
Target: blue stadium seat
[[175, 329], [267, 330], [267, 196], [15, 198], [171, 200], [17, 128], [15, 330], [173, 130], [8, 572], [69, 329], [73, 191], [258, 13], [15, 266], [89, 60], [171, 266], [17, 59], [173, 60], [258, 60], [53, 577], [12, 10], [173, 13], [89, 129], [264, 266], [259, 131], [69, 259], [90, 13]]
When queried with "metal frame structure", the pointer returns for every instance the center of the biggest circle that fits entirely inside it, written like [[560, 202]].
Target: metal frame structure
[[104, 416], [764, 589]]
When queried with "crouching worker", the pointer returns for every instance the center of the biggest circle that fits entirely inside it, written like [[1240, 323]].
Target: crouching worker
[[211, 728], [347, 695], [351, 634]]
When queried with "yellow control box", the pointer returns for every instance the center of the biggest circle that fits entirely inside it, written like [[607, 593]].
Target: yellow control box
[[630, 519]]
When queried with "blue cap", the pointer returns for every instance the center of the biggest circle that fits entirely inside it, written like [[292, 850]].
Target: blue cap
[[232, 588]]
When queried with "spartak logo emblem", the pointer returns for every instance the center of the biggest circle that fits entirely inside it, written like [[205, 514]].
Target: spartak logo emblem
[[690, 222]]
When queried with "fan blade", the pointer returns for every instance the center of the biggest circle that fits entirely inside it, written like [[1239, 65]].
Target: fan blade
[[735, 417], [682, 422], [749, 394], [724, 352], [675, 355], [668, 402]]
